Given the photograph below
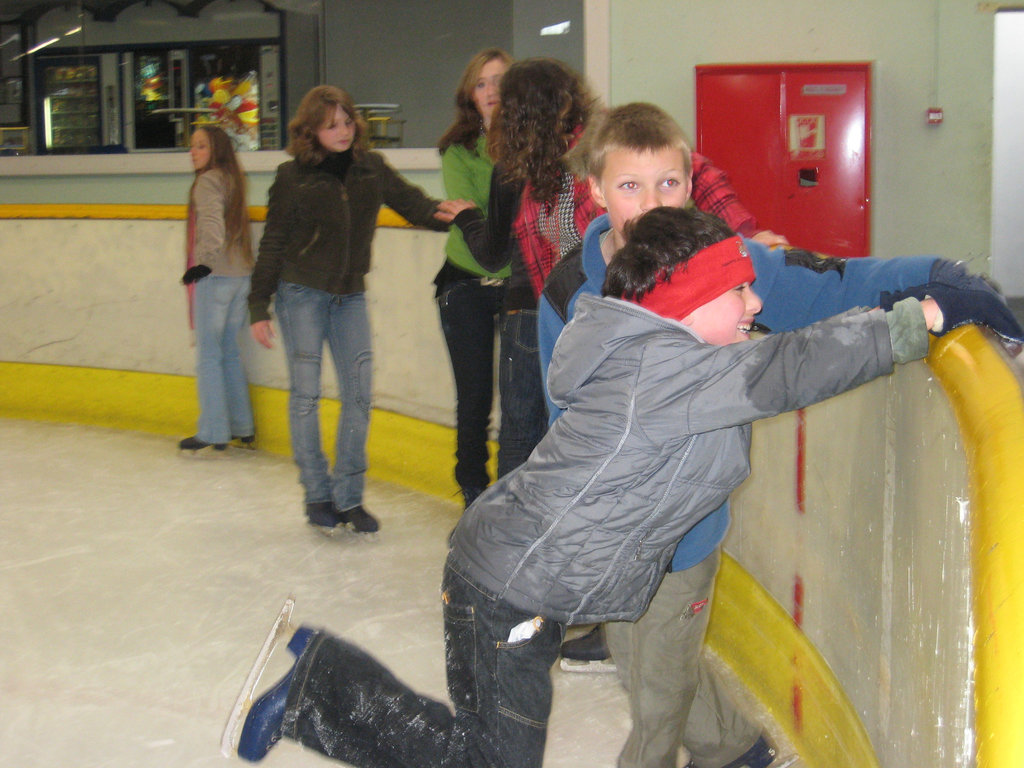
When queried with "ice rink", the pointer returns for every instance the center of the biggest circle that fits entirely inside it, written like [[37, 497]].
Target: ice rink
[[136, 586]]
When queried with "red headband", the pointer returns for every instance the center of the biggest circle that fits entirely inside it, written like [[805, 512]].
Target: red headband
[[704, 276]]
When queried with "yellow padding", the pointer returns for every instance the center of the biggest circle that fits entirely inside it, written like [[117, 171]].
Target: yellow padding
[[986, 398], [774, 660], [120, 212]]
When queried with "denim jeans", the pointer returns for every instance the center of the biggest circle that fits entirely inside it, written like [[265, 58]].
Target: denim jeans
[[220, 314], [346, 705], [469, 319], [308, 318], [524, 410]]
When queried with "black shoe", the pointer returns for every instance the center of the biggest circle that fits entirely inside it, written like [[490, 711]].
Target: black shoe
[[245, 441], [589, 647], [195, 444], [761, 755], [323, 515], [469, 494], [359, 520]]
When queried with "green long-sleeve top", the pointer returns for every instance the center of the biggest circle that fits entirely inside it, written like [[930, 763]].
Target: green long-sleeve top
[[467, 176]]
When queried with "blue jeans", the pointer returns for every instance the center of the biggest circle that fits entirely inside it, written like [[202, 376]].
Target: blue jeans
[[346, 705], [308, 318], [469, 319], [220, 314], [524, 410]]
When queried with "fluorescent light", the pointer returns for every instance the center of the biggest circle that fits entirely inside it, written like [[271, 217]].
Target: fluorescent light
[[71, 32], [39, 47], [561, 28]]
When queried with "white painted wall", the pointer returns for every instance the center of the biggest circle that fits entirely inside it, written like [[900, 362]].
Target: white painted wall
[[931, 185], [1008, 155]]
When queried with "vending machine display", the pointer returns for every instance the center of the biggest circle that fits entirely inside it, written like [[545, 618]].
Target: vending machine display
[[71, 107], [225, 81]]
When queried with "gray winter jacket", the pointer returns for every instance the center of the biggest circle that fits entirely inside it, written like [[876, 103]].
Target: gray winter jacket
[[655, 435]]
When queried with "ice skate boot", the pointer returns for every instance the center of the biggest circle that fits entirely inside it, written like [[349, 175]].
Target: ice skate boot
[[359, 520], [253, 727], [244, 441], [323, 516], [761, 755], [587, 653], [195, 445]]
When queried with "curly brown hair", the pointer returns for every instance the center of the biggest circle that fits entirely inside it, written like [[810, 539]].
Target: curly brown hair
[[236, 211], [544, 104], [315, 110], [468, 123]]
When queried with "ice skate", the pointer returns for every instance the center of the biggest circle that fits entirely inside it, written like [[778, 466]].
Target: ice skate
[[259, 733], [244, 441], [587, 653], [195, 445]]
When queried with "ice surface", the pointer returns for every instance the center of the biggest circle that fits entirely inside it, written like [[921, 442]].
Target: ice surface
[[136, 586]]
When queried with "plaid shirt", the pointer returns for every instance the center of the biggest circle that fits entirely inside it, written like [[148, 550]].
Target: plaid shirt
[[712, 193], [545, 232]]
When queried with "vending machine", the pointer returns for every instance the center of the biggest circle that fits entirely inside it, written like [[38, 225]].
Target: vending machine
[[68, 95], [795, 140], [236, 87], [159, 86]]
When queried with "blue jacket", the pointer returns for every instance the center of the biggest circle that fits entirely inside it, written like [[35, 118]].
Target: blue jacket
[[796, 287]]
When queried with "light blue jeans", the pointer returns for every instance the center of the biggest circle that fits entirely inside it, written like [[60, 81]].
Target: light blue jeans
[[308, 318], [220, 314]]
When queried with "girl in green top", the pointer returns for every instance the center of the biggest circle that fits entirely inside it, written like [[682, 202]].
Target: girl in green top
[[468, 296]]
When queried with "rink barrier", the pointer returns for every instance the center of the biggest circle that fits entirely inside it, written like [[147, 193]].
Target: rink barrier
[[386, 217], [982, 390]]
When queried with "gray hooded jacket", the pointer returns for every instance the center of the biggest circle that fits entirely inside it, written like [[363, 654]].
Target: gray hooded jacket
[[655, 435]]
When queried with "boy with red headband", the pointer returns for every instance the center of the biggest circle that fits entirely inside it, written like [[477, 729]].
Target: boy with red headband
[[658, 388]]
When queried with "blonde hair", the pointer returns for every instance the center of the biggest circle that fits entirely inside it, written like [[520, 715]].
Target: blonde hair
[[315, 110], [639, 127]]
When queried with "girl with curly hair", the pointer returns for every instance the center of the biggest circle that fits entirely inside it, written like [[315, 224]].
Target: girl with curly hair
[[313, 258], [538, 212]]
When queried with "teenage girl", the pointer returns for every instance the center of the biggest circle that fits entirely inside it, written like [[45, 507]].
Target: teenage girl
[[313, 258], [468, 295], [217, 275]]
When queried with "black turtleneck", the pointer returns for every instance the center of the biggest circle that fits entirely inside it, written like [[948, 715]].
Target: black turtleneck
[[338, 163]]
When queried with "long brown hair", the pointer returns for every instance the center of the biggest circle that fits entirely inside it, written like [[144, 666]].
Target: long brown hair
[[236, 210], [468, 123], [544, 104], [315, 110]]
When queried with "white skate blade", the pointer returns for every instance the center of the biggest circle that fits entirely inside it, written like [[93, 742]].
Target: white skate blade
[[232, 730], [587, 667]]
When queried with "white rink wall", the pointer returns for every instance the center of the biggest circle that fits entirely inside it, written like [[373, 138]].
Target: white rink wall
[[876, 565], [107, 294]]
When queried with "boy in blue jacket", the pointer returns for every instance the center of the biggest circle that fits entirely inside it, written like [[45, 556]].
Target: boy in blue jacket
[[635, 159]]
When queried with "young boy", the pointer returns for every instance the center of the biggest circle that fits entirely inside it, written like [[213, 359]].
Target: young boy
[[658, 390], [635, 158]]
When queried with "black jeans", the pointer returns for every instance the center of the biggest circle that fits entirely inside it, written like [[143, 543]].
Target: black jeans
[[346, 705], [524, 410], [469, 313]]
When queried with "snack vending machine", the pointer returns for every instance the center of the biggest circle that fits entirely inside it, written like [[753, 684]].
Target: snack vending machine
[[68, 96], [795, 140]]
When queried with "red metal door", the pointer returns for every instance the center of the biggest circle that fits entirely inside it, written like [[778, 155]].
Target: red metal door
[[795, 140]]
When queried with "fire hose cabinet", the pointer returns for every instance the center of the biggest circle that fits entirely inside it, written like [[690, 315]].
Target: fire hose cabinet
[[795, 140]]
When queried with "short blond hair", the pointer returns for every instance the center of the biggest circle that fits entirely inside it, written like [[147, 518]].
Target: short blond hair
[[638, 126]]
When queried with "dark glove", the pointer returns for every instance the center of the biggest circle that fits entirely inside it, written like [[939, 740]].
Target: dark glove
[[195, 274], [963, 299]]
